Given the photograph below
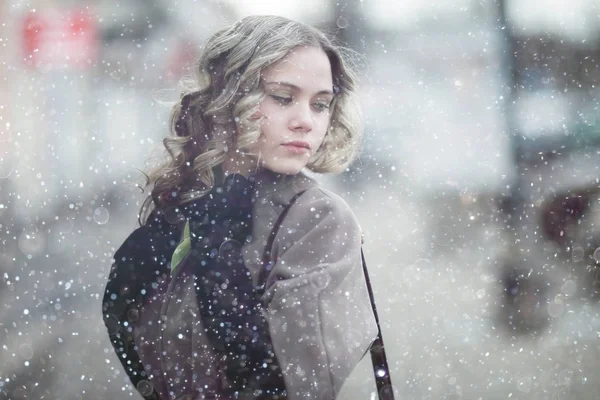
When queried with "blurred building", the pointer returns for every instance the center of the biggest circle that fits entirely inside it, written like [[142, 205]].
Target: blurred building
[[89, 123], [433, 95]]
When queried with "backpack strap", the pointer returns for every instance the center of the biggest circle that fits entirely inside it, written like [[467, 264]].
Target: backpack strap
[[266, 257], [381, 369]]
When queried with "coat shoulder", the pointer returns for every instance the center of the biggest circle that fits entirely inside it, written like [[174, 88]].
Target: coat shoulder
[[324, 199], [322, 211]]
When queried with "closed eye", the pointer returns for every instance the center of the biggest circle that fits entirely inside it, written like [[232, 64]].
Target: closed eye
[[321, 106], [284, 101]]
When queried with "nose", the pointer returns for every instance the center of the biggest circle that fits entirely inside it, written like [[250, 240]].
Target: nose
[[301, 119]]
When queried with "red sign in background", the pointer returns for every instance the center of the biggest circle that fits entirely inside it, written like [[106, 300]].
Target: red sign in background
[[60, 38]]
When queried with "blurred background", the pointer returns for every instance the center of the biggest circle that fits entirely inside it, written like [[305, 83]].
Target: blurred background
[[477, 189]]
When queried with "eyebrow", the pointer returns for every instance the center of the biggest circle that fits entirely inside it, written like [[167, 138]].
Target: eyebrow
[[291, 85]]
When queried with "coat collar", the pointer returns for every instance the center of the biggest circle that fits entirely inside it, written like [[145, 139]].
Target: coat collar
[[274, 184]]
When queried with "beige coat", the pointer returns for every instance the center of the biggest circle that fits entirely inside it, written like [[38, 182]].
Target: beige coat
[[318, 307]]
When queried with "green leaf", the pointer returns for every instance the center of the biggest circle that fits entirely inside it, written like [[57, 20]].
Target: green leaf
[[183, 248]]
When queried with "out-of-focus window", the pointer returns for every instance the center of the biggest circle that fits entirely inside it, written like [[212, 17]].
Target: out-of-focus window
[[574, 20], [556, 74]]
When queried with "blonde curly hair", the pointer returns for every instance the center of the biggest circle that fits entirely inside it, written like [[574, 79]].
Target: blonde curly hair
[[215, 109]]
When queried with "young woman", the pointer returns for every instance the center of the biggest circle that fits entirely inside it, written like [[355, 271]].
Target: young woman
[[220, 293]]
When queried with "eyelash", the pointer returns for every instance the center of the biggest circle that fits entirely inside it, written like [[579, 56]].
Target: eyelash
[[284, 101]]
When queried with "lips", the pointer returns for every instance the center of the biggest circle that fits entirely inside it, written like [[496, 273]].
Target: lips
[[298, 143], [297, 147]]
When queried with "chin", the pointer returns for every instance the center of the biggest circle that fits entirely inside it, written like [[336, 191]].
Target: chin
[[285, 168]]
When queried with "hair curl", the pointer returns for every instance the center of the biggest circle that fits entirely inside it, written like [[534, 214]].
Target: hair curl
[[215, 109]]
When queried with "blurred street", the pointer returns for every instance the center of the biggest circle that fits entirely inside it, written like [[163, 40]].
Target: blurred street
[[437, 300], [440, 301]]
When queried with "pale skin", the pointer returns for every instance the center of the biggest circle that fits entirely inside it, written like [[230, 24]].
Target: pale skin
[[295, 111]]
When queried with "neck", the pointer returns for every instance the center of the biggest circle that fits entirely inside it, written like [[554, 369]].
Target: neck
[[268, 181], [239, 164]]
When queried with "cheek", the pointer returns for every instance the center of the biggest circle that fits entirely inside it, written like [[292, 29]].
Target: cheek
[[273, 112], [324, 125], [273, 121]]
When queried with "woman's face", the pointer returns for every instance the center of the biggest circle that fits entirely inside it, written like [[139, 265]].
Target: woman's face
[[298, 94]]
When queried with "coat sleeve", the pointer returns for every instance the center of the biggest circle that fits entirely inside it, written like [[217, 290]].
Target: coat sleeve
[[319, 313]]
